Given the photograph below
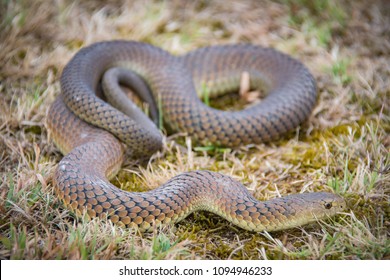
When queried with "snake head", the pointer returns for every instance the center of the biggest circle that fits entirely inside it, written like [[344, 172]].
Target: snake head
[[323, 205], [301, 209]]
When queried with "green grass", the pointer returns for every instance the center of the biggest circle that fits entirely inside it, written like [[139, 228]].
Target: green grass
[[339, 71], [321, 19]]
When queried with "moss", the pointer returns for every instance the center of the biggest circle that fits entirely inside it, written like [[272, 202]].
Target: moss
[[306, 156], [228, 102], [312, 154], [362, 206], [129, 182]]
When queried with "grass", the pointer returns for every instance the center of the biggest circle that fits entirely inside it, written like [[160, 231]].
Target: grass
[[344, 146], [320, 19]]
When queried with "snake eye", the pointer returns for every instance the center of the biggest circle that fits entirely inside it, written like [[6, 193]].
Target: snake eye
[[328, 205]]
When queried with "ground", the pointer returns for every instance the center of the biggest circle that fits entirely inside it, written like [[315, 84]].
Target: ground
[[342, 148]]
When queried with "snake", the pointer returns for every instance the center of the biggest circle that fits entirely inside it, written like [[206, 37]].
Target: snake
[[95, 136]]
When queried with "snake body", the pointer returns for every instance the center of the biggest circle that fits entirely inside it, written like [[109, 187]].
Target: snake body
[[90, 133]]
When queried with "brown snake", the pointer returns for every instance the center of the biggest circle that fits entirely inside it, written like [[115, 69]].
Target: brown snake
[[94, 154]]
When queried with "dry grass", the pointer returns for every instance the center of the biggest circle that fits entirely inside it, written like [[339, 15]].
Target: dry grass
[[344, 147]]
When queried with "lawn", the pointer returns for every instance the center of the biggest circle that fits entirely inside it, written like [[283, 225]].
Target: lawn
[[343, 148]]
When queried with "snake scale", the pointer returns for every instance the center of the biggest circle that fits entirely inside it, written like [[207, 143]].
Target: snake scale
[[90, 132]]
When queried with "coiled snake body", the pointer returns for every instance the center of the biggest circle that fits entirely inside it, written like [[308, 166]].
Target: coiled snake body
[[89, 132]]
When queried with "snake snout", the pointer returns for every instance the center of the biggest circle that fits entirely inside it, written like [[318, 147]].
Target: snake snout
[[326, 204], [335, 203]]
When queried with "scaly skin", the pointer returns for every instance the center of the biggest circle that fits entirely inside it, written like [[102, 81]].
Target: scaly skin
[[93, 154]]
